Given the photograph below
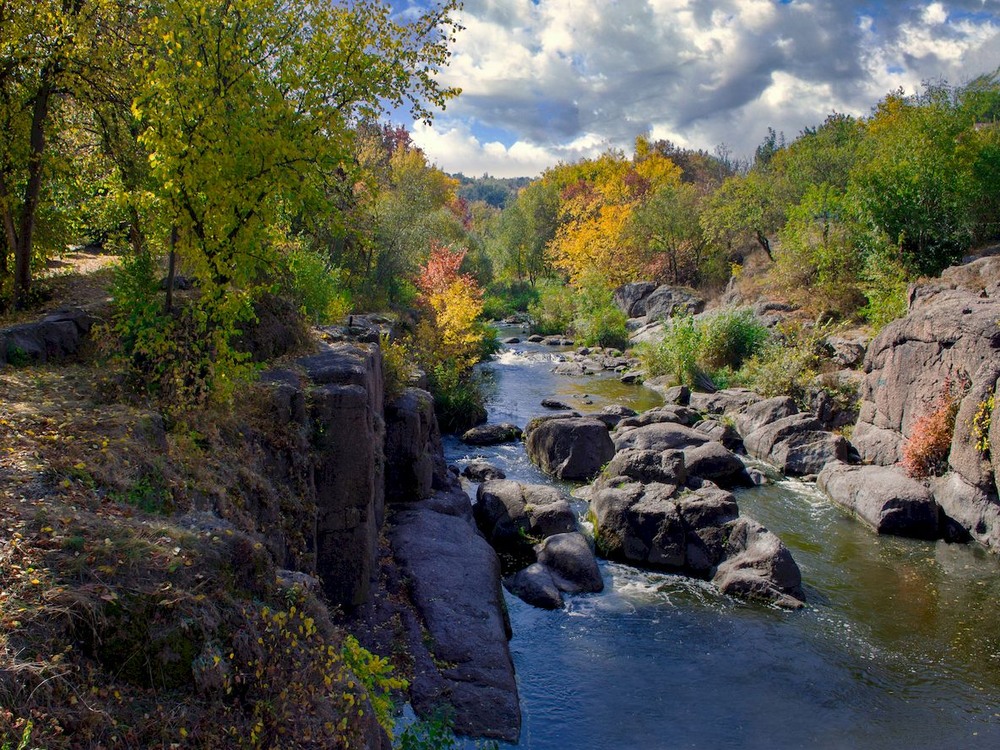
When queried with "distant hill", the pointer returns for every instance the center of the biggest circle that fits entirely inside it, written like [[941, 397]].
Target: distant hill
[[496, 191]]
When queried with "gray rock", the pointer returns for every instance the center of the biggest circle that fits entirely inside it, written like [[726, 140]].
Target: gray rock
[[670, 413], [974, 510], [678, 394], [492, 434], [536, 586], [659, 436], [796, 444], [667, 301], [55, 337], [630, 298], [551, 403], [728, 401], [511, 340], [479, 470], [536, 339], [511, 514], [759, 566], [647, 466], [713, 461], [762, 413], [573, 448], [721, 432], [613, 414], [412, 446], [884, 498], [454, 582], [572, 563]]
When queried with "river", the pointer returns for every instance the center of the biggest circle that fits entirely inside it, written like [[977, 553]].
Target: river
[[898, 647]]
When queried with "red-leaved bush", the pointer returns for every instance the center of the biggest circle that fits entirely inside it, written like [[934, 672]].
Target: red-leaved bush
[[925, 453]]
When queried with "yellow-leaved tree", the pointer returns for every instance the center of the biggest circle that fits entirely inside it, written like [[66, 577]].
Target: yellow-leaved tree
[[598, 198]]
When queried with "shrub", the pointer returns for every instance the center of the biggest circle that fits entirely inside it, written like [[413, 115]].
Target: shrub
[[458, 399], [731, 337], [885, 284], [554, 311], [980, 427], [598, 320], [313, 284], [503, 300], [397, 367], [787, 365], [925, 453], [676, 353]]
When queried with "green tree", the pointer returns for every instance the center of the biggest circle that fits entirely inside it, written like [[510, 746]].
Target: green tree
[[914, 179], [667, 227], [745, 209]]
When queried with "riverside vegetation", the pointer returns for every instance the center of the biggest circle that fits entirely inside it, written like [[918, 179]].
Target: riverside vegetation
[[242, 202]]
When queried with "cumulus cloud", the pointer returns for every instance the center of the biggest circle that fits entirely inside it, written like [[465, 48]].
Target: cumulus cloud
[[561, 78]]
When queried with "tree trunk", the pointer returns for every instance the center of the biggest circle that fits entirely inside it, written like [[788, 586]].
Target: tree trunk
[[32, 190], [765, 243], [171, 270]]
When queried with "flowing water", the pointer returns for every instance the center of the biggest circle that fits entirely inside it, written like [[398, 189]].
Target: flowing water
[[899, 646]]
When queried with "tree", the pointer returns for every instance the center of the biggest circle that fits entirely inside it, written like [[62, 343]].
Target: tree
[[748, 208], [667, 227], [914, 179], [52, 52]]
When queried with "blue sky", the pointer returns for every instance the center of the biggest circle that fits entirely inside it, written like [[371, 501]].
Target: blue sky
[[558, 80]]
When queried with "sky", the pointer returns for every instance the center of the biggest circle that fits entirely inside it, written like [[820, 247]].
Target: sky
[[546, 81]]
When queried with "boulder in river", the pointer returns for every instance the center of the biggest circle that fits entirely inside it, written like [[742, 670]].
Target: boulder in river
[[480, 470], [659, 436], [511, 514], [574, 448], [797, 444], [572, 563], [492, 434], [883, 497], [536, 586], [758, 566]]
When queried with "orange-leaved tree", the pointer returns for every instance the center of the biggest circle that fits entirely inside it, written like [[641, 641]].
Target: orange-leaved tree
[[448, 335]]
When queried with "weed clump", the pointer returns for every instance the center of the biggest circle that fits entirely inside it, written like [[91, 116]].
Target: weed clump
[[925, 453]]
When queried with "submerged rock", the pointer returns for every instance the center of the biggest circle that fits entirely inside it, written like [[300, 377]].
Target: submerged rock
[[492, 434], [572, 563]]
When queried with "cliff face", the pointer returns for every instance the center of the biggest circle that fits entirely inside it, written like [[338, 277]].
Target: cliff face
[[378, 467], [950, 334]]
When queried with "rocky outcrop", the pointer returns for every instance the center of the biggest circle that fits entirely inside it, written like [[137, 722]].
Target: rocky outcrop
[[698, 532], [454, 584], [569, 448], [884, 498], [412, 446], [56, 336], [949, 335], [345, 398]]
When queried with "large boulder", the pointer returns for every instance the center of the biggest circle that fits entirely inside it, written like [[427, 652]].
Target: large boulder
[[57, 336], [666, 301], [536, 586], [759, 566], [698, 532], [675, 413], [511, 514], [454, 583], [574, 448], [630, 298], [883, 497], [797, 445], [659, 436], [572, 563], [492, 434], [762, 413], [727, 401], [647, 466], [715, 462]]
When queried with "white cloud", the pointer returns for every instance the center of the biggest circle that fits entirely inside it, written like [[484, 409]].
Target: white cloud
[[566, 77]]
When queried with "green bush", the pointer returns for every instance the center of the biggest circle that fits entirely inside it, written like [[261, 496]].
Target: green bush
[[787, 365], [731, 337], [458, 399], [706, 351], [885, 284], [598, 321], [676, 354], [503, 300], [316, 287], [554, 311]]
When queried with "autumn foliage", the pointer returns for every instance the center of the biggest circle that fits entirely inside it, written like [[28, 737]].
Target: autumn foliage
[[452, 301], [926, 451]]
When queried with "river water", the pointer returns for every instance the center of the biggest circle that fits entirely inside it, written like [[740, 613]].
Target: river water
[[899, 646]]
